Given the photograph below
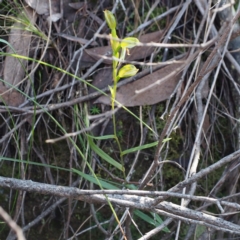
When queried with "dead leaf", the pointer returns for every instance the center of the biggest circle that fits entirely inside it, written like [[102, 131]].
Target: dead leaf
[[14, 68], [101, 79], [54, 17], [77, 5], [97, 53], [10, 97], [40, 6], [92, 55], [20, 40], [137, 53], [71, 11], [161, 91]]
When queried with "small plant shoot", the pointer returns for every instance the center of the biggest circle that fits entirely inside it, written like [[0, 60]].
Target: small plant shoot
[[119, 48]]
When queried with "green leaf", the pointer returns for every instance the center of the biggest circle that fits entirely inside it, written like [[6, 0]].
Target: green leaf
[[111, 90], [33, 163], [104, 156], [115, 62], [92, 179], [128, 70], [105, 137], [131, 186], [155, 222], [146, 218], [110, 19], [112, 24], [129, 42], [166, 140], [159, 220], [114, 43], [123, 54], [149, 145]]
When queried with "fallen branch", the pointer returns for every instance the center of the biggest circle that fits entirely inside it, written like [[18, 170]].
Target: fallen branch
[[124, 200]]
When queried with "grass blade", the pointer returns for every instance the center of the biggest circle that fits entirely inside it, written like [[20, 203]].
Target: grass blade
[[93, 180], [104, 155]]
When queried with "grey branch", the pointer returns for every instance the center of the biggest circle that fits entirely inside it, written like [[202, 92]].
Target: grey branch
[[124, 200]]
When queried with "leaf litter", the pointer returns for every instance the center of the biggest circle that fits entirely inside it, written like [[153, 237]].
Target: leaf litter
[[127, 94], [15, 68], [162, 81]]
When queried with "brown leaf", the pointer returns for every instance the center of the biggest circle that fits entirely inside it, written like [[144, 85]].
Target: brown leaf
[[54, 17], [10, 97], [77, 5], [137, 53], [42, 6], [101, 79], [20, 40], [161, 90], [92, 55], [95, 54]]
